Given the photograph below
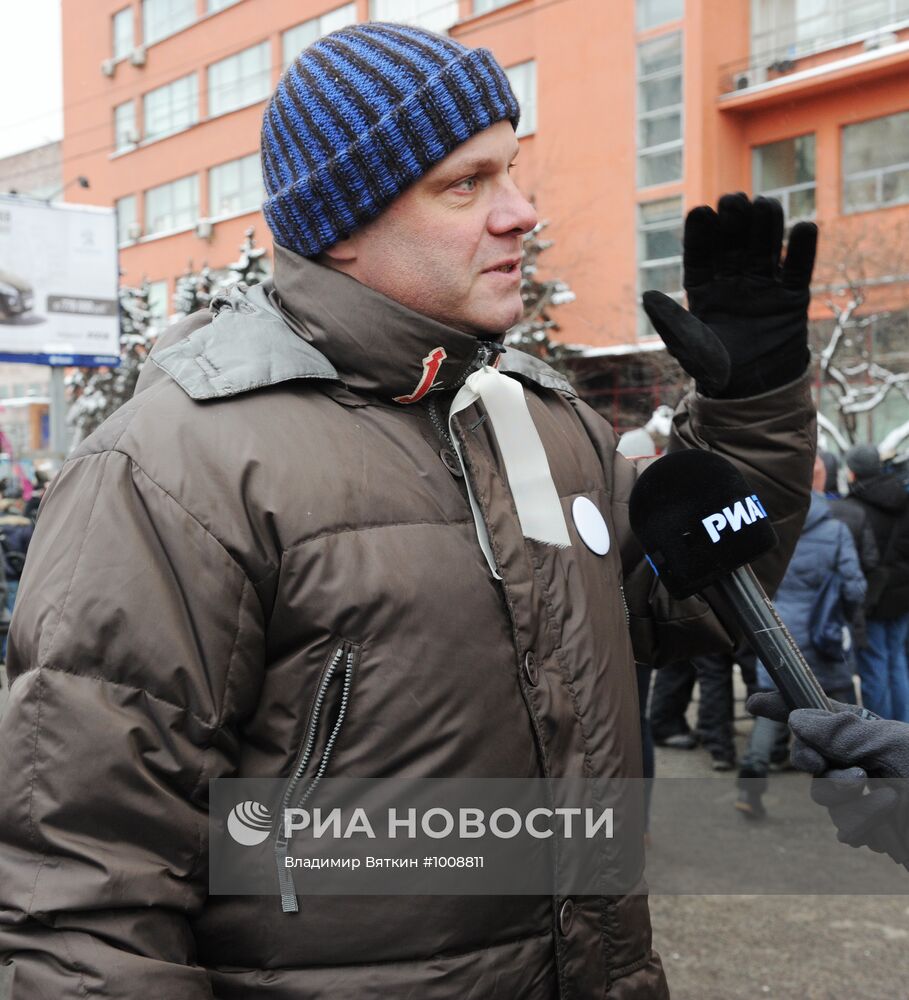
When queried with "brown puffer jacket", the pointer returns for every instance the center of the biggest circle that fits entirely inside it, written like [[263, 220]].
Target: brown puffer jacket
[[260, 505]]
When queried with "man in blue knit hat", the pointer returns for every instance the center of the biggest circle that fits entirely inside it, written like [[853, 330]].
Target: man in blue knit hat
[[341, 531]]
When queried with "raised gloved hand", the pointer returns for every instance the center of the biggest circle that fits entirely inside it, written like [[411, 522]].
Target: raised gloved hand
[[861, 768], [747, 329]]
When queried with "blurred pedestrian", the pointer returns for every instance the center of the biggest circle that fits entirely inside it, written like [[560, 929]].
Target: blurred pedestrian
[[15, 534], [822, 585], [855, 517], [881, 659], [672, 691]]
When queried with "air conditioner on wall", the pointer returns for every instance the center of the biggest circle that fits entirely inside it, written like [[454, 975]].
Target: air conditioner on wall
[[137, 56], [131, 136], [880, 40], [205, 229], [107, 67], [742, 80], [134, 230]]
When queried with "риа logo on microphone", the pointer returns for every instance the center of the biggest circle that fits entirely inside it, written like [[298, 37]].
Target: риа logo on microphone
[[742, 512]]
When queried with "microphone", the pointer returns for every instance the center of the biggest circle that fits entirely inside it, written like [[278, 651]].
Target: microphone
[[700, 525]]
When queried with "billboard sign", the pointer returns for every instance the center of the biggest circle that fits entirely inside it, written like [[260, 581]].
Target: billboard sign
[[58, 284]]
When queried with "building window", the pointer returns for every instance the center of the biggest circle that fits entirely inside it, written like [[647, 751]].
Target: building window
[[523, 80], [172, 107], [660, 110], [213, 6], [785, 170], [296, 39], [172, 206], [125, 135], [235, 187], [122, 27], [434, 15], [652, 13], [660, 246], [876, 163], [788, 29], [157, 303], [482, 6], [161, 18], [126, 216], [239, 80]]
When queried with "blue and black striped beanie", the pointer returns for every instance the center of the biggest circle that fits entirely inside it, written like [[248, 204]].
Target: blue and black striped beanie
[[359, 116]]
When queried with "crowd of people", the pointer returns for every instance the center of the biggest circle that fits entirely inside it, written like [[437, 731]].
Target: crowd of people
[[844, 598]]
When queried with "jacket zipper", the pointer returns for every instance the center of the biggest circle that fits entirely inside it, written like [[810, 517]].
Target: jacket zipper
[[625, 605], [486, 351], [344, 653]]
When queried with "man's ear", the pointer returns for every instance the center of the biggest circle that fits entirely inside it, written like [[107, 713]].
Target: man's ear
[[342, 253]]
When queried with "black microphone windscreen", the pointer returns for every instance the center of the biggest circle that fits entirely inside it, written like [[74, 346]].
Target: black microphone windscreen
[[697, 519]]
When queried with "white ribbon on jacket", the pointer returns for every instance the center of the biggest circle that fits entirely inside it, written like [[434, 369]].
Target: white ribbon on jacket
[[526, 466]]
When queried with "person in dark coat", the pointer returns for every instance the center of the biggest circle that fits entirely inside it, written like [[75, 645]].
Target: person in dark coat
[[881, 659], [855, 517], [825, 547]]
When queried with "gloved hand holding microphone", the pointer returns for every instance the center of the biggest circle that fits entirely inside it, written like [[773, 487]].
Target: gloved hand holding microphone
[[861, 768]]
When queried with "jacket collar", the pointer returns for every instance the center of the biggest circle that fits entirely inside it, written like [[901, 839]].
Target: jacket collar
[[316, 323], [376, 345]]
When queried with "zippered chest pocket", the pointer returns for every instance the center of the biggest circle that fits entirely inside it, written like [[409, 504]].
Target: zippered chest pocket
[[326, 719]]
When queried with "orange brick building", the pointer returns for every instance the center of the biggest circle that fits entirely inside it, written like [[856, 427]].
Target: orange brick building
[[634, 111]]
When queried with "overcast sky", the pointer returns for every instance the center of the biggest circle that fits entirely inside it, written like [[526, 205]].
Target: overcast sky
[[31, 89]]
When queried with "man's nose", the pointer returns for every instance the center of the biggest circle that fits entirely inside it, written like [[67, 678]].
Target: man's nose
[[512, 213]]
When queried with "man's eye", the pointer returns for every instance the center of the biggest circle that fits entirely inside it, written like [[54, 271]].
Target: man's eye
[[468, 184]]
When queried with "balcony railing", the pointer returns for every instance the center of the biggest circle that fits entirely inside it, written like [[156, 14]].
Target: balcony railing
[[783, 47]]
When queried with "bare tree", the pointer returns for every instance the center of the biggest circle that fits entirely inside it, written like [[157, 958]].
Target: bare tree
[[533, 332], [95, 393], [862, 350]]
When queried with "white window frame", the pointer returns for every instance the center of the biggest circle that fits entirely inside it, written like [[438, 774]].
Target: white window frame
[[218, 88], [877, 174], [216, 6], [645, 152], [643, 23], [523, 79], [158, 294], [125, 217], [175, 226], [294, 40], [124, 123], [159, 20], [433, 15], [256, 192], [118, 19], [783, 194], [175, 104], [485, 6], [645, 264]]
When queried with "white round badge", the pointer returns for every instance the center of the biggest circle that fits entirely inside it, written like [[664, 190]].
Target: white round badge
[[591, 525]]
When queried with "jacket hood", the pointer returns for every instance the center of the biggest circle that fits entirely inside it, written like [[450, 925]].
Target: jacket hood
[[885, 492], [818, 511], [376, 345]]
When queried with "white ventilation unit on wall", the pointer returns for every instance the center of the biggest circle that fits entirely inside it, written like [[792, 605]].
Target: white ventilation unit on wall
[[881, 40], [107, 67], [137, 56], [205, 229], [132, 136], [134, 230]]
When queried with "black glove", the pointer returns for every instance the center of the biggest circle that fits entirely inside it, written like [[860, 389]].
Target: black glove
[[756, 311], [861, 768]]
